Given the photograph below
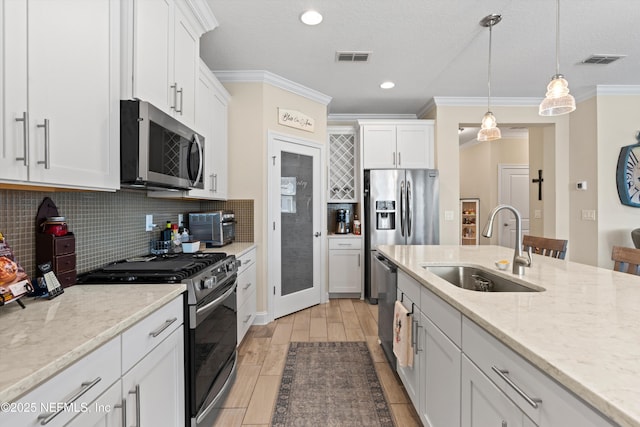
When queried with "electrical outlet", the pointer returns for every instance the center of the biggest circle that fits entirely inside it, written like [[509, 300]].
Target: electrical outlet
[[537, 214], [180, 220], [149, 225]]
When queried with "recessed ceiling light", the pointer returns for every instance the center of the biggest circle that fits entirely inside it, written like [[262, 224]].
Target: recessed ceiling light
[[387, 85], [311, 17]]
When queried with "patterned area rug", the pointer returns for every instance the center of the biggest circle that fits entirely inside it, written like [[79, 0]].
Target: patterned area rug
[[330, 384]]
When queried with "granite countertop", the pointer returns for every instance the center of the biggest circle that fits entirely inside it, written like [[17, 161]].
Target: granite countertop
[[583, 330], [50, 335], [236, 248]]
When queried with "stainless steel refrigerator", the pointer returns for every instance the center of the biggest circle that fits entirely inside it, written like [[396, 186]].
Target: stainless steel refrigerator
[[401, 208]]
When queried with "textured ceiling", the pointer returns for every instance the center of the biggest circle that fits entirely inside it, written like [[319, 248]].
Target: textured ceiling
[[428, 48]]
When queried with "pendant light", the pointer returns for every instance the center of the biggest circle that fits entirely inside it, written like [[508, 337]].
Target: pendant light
[[557, 100], [489, 129]]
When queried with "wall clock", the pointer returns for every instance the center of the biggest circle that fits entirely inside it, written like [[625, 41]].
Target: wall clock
[[628, 174]]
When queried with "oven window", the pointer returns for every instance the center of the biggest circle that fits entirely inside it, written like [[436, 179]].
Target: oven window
[[213, 344]]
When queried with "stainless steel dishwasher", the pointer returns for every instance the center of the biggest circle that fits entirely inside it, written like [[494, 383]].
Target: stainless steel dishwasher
[[384, 277]]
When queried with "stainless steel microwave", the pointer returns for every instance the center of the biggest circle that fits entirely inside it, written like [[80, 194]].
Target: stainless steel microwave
[[157, 152]]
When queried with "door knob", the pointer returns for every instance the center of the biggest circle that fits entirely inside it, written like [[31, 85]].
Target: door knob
[[317, 234], [505, 224]]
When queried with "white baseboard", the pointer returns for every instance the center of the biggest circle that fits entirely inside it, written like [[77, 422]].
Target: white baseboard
[[262, 318]]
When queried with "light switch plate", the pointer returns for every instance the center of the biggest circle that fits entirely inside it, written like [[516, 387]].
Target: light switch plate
[[588, 215], [537, 214], [448, 215]]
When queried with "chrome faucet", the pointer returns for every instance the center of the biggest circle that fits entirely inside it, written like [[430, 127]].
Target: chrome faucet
[[519, 261]]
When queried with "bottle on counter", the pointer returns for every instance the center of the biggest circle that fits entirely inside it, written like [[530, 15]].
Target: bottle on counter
[[357, 228], [165, 235]]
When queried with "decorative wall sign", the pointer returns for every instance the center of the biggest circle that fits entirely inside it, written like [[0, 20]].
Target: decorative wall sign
[[295, 119]]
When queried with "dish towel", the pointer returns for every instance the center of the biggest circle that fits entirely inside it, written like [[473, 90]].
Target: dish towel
[[402, 324]]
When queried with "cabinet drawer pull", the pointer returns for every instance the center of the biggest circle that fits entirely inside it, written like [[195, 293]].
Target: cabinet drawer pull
[[181, 98], [394, 159], [25, 137], [45, 162], [175, 96], [136, 391], [399, 158], [85, 387], [162, 327], [502, 373], [123, 406], [246, 318], [244, 288]]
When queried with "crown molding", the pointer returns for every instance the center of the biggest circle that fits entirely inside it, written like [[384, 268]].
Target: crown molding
[[617, 90], [203, 15], [481, 101], [353, 118], [263, 76]]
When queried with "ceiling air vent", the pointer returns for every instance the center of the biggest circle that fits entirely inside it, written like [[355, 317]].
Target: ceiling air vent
[[602, 59], [352, 56]]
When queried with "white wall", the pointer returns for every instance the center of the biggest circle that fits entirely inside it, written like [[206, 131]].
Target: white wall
[[555, 161], [617, 123], [479, 172], [253, 111]]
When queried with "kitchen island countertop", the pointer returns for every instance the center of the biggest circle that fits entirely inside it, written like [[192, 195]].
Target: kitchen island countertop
[[50, 335], [583, 330]]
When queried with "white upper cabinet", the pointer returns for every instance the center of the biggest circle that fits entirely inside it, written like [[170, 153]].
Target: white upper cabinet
[[211, 122], [60, 93], [406, 144], [161, 53]]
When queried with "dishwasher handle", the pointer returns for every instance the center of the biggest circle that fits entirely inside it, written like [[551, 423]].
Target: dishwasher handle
[[391, 269]]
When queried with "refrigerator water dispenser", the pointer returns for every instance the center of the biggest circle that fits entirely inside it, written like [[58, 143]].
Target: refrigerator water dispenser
[[385, 215]]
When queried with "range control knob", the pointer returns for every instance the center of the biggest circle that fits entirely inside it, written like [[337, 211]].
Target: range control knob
[[208, 283]]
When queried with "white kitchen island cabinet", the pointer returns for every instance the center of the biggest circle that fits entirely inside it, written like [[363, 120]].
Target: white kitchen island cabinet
[[60, 93], [433, 382], [406, 144], [495, 331]]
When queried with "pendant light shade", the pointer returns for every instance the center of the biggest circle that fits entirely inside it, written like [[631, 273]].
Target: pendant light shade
[[489, 129], [557, 100]]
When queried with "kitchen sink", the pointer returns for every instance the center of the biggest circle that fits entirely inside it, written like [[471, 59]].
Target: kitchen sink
[[478, 279]]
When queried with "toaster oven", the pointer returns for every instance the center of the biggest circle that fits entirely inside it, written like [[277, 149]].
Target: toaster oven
[[215, 229]]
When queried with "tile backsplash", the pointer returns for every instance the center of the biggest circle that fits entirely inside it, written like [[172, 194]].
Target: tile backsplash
[[108, 226]]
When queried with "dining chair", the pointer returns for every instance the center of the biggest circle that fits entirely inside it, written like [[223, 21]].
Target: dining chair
[[627, 260], [555, 248]]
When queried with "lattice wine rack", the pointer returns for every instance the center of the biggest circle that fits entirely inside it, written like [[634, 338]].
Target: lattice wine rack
[[342, 176]]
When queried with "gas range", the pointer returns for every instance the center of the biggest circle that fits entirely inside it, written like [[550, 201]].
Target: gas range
[[201, 272]]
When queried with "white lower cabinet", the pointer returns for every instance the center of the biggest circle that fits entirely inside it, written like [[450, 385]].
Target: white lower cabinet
[[440, 380], [345, 265], [483, 404], [138, 375], [108, 410], [433, 382], [246, 292], [64, 396], [154, 388], [463, 376]]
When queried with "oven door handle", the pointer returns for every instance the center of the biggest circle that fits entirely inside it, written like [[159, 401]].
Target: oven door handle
[[216, 302]]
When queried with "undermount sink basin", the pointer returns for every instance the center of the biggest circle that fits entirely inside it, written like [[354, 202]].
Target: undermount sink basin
[[478, 279]]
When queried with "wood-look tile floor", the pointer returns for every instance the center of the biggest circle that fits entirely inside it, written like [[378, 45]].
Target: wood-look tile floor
[[263, 352]]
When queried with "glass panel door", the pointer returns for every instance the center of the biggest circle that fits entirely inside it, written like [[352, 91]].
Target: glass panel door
[[296, 216]]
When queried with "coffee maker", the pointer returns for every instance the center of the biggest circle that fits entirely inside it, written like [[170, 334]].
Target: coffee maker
[[342, 221]]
